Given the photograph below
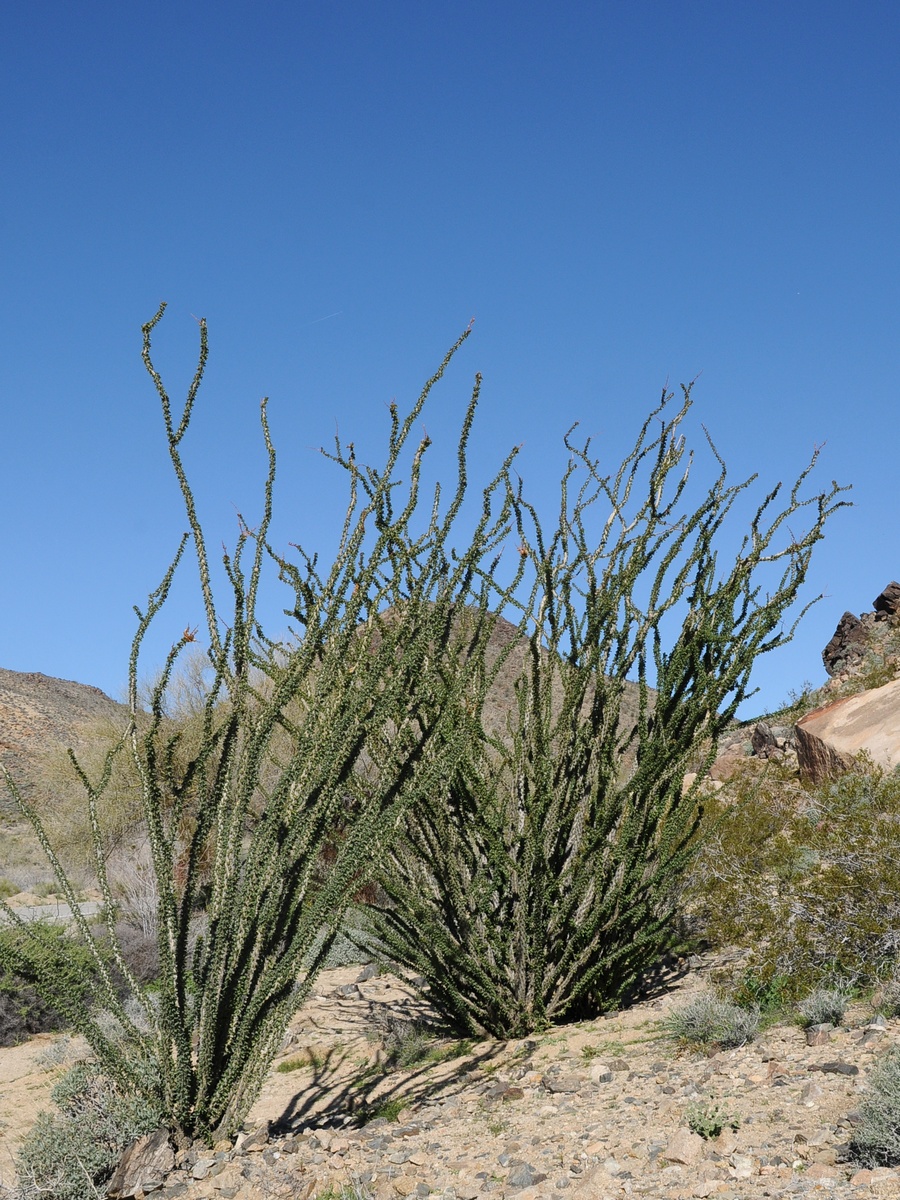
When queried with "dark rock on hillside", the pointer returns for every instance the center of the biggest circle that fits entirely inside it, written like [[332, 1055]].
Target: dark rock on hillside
[[888, 603], [847, 645], [860, 643]]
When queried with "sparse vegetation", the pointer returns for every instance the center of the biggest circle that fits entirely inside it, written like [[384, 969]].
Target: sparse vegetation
[[388, 1110], [824, 1006], [806, 879], [301, 1062], [709, 1119], [876, 1136], [708, 1021], [70, 1153], [24, 1009]]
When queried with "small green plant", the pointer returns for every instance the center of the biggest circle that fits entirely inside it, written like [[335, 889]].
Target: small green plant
[[824, 1006], [451, 1050], [355, 1190], [590, 1052], [708, 1021], [24, 1009], [7, 889], [876, 1136], [69, 1154], [770, 995], [308, 1058], [389, 1110], [55, 1055], [708, 1119]]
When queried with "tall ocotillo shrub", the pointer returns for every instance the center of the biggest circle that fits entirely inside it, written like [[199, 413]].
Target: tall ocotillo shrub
[[343, 720], [538, 884]]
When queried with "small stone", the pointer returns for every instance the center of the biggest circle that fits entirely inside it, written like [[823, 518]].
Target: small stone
[[348, 991], [150, 1158], [870, 1036], [601, 1073], [818, 1035], [820, 1171], [706, 1187], [369, 971], [835, 1068], [404, 1185], [684, 1146], [247, 1143], [811, 1093], [725, 1143], [466, 1191], [743, 1166], [563, 1083], [522, 1175]]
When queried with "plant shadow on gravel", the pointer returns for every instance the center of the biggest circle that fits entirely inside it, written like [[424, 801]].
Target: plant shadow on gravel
[[348, 1104]]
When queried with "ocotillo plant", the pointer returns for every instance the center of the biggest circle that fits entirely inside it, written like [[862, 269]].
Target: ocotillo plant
[[337, 724], [539, 883]]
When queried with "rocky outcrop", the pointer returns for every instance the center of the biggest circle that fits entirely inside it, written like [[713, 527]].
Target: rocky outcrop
[[871, 641], [830, 738]]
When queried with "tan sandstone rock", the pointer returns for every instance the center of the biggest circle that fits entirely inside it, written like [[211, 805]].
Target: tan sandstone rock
[[829, 738]]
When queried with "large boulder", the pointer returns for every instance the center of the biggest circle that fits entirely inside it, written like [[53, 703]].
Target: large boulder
[[830, 738]]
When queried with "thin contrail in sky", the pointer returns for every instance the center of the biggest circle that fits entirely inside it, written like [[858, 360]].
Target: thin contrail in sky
[[327, 318]]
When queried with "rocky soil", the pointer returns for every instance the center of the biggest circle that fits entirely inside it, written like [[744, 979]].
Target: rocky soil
[[596, 1111]]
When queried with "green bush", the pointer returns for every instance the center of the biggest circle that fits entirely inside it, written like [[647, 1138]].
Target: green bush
[[540, 882], [69, 1154], [876, 1137], [24, 1010], [768, 995], [708, 1021], [807, 879]]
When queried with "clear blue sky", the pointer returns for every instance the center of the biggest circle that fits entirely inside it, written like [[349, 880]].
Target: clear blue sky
[[620, 194]]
